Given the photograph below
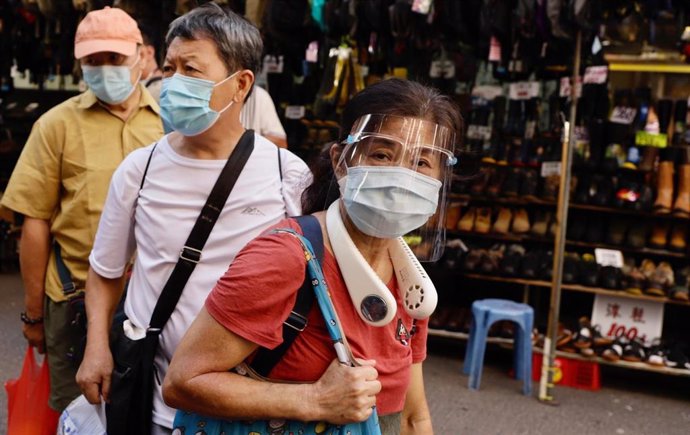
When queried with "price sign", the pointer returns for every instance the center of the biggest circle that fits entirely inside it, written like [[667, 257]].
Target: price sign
[[295, 112], [487, 92], [421, 6], [273, 64], [494, 50], [623, 115], [312, 53], [523, 90], [608, 257], [566, 86], [549, 169], [479, 132], [596, 74], [659, 140], [632, 318]]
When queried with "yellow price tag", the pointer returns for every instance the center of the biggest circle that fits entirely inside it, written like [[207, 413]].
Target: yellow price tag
[[412, 240], [659, 140]]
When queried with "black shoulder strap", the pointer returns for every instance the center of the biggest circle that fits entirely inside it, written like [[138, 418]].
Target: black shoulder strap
[[190, 254], [146, 169], [266, 359]]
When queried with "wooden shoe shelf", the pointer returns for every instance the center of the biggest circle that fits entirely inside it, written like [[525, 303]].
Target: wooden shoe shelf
[[527, 238], [508, 343], [519, 201], [572, 287]]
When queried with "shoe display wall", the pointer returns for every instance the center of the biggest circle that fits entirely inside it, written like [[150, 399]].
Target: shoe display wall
[[625, 195]]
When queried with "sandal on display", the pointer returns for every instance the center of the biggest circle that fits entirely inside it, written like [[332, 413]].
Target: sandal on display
[[583, 337], [614, 352], [656, 353], [634, 351], [676, 358], [473, 259], [598, 339]]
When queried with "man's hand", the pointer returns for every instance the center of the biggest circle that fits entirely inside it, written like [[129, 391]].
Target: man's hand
[[94, 374], [35, 335], [346, 394]]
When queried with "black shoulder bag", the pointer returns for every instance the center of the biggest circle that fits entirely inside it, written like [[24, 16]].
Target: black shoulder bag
[[130, 409]]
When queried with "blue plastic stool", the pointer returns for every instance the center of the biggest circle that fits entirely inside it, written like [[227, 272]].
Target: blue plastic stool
[[487, 311]]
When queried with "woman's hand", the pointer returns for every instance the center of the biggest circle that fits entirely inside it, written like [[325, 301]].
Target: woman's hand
[[346, 394]]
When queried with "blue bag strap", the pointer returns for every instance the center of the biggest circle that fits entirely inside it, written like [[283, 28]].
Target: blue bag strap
[[266, 359], [68, 286]]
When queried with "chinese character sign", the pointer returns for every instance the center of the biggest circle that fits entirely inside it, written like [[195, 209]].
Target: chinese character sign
[[632, 318]]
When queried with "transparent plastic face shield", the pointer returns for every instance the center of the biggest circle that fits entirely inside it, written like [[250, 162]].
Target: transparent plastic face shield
[[393, 175]]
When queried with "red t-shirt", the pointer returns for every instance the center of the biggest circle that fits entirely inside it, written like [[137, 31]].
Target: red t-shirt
[[258, 292]]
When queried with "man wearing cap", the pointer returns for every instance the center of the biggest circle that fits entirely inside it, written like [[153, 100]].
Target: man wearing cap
[[61, 181]]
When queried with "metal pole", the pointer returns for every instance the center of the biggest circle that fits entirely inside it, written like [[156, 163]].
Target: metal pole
[[546, 382]]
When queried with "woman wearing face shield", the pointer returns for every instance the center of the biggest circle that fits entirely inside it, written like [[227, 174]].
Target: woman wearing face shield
[[158, 192], [385, 179]]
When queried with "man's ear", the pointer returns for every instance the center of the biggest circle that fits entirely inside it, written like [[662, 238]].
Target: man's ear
[[245, 80]]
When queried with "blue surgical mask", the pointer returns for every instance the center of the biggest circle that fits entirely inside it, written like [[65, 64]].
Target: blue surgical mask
[[388, 201], [185, 104], [111, 84]]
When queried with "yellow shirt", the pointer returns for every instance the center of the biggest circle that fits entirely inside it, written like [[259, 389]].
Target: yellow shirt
[[64, 172]]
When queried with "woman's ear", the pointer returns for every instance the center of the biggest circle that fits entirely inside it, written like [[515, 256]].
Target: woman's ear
[[245, 80], [335, 153]]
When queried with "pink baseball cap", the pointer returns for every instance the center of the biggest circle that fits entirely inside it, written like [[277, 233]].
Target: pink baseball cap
[[109, 29]]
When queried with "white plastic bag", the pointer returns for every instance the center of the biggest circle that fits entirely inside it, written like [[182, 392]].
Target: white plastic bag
[[82, 418]]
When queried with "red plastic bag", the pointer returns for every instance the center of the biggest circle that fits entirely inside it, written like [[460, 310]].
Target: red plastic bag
[[28, 412]]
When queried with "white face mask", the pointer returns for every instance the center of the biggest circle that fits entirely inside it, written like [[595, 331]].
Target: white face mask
[[388, 201]]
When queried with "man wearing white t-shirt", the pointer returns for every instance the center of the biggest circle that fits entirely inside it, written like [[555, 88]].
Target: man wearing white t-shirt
[[157, 193], [259, 114]]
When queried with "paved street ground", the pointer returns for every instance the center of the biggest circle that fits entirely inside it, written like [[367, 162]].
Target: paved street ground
[[629, 403]]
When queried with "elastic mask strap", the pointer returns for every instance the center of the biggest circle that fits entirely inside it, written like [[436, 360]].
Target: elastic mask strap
[[220, 112]]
